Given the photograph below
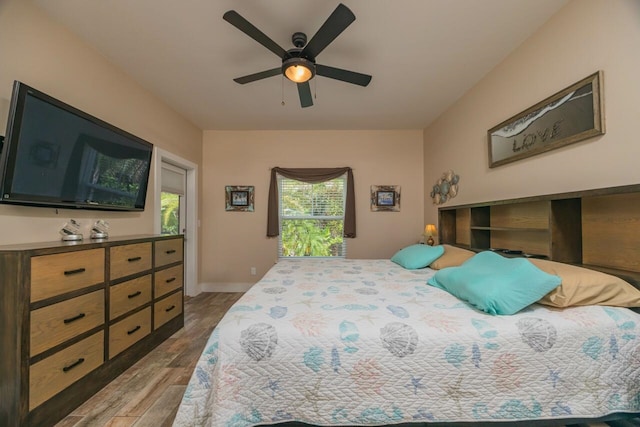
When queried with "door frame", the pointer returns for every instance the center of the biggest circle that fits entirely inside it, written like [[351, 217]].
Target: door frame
[[191, 285]]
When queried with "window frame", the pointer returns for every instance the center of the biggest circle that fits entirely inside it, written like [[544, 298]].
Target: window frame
[[282, 218]]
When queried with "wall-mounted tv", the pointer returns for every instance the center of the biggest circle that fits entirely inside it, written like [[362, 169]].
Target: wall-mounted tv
[[58, 156]]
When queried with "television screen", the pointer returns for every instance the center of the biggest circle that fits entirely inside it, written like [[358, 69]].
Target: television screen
[[57, 155]]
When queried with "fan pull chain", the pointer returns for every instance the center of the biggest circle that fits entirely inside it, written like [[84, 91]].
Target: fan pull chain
[[282, 91]]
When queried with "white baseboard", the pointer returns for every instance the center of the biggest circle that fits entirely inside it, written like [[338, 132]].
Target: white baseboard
[[225, 287]]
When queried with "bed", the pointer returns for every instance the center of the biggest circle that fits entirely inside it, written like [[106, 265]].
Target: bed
[[338, 342]]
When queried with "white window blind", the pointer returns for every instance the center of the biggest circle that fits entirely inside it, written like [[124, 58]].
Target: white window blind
[[311, 218], [173, 179]]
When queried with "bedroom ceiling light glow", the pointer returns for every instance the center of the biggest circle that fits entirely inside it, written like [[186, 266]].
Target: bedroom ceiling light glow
[[298, 70]]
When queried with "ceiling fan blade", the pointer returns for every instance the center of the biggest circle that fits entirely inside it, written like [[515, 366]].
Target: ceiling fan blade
[[304, 90], [344, 75], [249, 29], [258, 76], [337, 22]]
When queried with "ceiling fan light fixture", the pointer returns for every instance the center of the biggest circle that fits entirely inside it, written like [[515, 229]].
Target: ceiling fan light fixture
[[299, 63], [298, 70]]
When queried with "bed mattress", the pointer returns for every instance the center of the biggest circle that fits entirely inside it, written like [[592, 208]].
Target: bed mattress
[[367, 342]]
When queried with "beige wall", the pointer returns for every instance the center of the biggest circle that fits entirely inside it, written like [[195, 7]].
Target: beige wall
[[233, 242], [42, 54], [585, 36]]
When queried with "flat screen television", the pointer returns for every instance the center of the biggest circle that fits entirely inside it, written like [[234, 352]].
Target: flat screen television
[[55, 155]]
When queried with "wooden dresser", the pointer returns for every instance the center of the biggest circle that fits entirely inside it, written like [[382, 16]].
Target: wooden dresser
[[73, 316]]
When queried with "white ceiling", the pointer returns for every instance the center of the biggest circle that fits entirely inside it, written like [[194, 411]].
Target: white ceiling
[[423, 55]]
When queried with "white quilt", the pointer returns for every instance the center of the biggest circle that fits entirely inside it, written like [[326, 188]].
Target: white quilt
[[366, 342]]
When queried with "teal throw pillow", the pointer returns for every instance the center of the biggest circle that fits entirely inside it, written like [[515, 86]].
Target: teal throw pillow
[[496, 284], [417, 256]]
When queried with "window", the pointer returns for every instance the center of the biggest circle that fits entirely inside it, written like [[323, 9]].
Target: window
[[172, 199], [311, 218]]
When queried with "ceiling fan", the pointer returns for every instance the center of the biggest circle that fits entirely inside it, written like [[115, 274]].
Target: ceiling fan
[[299, 63]]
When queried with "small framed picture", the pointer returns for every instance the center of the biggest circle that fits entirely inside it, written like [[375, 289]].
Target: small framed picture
[[239, 198], [385, 198]]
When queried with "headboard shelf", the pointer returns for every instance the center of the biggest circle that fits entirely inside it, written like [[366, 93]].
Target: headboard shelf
[[598, 229]]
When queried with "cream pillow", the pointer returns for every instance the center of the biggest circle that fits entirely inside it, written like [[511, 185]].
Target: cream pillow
[[452, 257], [581, 286]]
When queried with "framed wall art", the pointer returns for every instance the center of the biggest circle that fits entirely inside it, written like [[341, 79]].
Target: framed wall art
[[385, 198], [239, 198], [571, 115]]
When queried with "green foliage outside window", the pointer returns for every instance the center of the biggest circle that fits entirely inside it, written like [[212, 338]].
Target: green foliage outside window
[[311, 238], [170, 213]]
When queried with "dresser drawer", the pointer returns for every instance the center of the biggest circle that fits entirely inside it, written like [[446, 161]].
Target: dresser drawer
[[168, 251], [57, 274], [166, 309], [55, 324], [128, 331], [129, 259], [128, 295], [55, 373], [167, 280]]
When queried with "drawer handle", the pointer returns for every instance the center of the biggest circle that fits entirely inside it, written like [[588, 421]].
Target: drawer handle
[[134, 259], [170, 251], [74, 318], [170, 280], [133, 295], [73, 365], [133, 330], [76, 271], [170, 308]]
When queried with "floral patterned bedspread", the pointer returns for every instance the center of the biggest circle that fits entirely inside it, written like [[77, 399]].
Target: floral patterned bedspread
[[366, 342]]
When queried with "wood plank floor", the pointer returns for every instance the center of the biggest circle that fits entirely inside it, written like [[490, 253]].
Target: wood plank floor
[[148, 393]]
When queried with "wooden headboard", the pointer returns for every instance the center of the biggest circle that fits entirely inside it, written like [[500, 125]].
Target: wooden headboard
[[597, 229]]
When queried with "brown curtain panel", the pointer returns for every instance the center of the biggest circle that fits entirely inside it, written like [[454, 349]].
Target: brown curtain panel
[[313, 176]]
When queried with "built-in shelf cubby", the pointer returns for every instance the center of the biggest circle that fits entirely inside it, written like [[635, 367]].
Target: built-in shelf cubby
[[596, 228]]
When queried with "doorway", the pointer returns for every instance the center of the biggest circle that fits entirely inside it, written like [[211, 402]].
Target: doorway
[[177, 179]]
